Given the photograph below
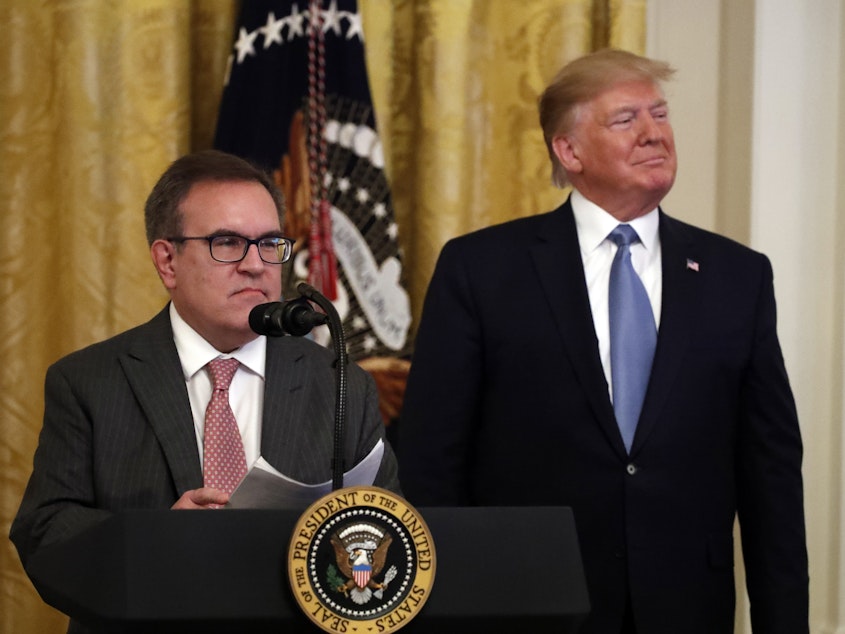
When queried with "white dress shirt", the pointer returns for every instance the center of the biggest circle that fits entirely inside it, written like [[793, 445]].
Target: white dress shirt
[[246, 393], [593, 225]]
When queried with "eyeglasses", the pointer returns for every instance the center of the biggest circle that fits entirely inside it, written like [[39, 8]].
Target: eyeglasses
[[227, 249]]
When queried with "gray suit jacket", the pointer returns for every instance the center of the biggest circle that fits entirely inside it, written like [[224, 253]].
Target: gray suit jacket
[[118, 432]]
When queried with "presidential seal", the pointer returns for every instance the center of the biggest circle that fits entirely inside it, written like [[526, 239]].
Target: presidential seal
[[361, 559]]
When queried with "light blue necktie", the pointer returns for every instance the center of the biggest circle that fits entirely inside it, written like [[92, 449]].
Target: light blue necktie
[[633, 335]]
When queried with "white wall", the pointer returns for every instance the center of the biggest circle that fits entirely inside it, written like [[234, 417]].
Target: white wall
[[693, 100], [759, 114]]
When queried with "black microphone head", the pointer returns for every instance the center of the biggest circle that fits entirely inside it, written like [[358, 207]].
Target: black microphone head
[[298, 318], [261, 319]]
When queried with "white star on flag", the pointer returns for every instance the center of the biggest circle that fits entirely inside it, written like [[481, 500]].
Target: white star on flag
[[272, 30], [295, 23], [245, 43], [332, 19]]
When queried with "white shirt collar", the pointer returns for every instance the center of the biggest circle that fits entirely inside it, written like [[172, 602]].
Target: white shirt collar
[[594, 224], [195, 352]]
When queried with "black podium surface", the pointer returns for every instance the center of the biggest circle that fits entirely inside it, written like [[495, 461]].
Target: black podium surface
[[498, 570]]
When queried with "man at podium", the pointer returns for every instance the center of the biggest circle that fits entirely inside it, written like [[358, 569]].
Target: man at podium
[[172, 413]]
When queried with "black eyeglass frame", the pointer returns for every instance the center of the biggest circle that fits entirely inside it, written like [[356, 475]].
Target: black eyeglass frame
[[248, 242]]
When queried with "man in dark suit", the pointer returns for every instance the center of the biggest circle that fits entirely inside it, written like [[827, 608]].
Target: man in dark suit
[[512, 397], [124, 419]]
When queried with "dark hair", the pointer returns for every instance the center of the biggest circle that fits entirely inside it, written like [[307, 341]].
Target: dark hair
[[162, 215], [583, 79]]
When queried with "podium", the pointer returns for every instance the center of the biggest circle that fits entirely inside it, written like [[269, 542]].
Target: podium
[[498, 570]]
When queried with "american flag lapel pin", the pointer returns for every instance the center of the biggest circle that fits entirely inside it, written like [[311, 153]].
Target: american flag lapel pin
[[692, 265]]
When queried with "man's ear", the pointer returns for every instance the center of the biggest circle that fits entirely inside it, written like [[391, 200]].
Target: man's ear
[[566, 151], [163, 254]]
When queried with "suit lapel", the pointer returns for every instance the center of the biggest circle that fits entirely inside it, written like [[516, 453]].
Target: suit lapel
[[557, 258], [155, 375], [679, 300], [287, 373]]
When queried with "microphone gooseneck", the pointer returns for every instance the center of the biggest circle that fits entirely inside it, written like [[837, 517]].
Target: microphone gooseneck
[[297, 317], [339, 341]]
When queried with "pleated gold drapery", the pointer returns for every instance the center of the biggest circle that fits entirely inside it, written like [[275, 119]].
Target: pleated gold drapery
[[97, 97]]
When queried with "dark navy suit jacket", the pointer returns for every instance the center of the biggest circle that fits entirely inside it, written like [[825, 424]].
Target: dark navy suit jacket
[[507, 404]]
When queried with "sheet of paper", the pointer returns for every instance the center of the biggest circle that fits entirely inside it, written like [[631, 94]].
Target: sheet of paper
[[266, 488]]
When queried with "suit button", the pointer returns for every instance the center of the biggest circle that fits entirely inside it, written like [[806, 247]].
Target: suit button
[[631, 469]]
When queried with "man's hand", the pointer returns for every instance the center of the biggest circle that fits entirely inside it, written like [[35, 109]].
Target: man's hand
[[204, 498]]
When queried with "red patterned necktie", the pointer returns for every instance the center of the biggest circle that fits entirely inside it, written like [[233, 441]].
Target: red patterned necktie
[[224, 461]]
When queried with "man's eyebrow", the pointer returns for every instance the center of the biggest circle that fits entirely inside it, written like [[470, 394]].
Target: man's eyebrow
[[626, 109], [623, 110], [232, 232], [632, 109]]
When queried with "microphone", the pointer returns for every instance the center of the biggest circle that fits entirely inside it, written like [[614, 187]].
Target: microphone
[[296, 317], [276, 319], [339, 341]]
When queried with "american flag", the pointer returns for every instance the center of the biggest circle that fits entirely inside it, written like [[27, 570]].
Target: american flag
[[297, 103]]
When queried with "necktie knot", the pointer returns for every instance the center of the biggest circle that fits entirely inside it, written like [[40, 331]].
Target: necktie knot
[[222, 371], [624, 235]]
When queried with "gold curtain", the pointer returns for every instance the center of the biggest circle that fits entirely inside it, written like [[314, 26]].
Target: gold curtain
[[98, 96]]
